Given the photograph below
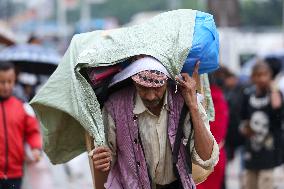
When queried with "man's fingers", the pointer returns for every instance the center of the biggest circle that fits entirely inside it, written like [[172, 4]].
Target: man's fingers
[[195, 72], [185, 76], [179, 80], [186, 79], [101, 156], [106, 169], [103, 166], [196, 67], [102, 161], [101, 149]]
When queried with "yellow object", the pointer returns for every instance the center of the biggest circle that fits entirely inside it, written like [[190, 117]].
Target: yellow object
[[200, 174]]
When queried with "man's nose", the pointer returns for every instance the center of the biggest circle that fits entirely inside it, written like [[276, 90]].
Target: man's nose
[[150, 95]]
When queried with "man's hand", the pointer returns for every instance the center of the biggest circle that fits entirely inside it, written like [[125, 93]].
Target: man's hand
[[203, 141], [102, 158], [189, 85]]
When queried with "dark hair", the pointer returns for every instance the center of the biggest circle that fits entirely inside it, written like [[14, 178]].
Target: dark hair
[[219, 76], [260, 65], [275, 65], [4, 66]]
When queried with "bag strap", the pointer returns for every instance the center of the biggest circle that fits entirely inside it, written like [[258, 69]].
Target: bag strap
[[178, 141]]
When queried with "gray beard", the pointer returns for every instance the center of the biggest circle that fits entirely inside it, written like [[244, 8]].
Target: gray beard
[[152, 103]]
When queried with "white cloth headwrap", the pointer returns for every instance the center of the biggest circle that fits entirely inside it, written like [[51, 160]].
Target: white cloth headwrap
[[142, 64]]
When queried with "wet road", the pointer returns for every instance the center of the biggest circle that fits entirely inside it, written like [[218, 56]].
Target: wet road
[[76, 175]]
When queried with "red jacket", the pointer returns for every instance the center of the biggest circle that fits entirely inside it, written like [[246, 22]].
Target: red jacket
[[17, 126], [219, 130]]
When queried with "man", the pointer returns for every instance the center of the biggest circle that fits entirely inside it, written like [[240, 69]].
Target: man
[[17, 126], [145, 149]]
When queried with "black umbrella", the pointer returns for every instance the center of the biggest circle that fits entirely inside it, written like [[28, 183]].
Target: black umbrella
[[32, 58]]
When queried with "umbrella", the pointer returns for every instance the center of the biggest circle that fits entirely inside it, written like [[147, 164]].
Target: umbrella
[[32, 58]]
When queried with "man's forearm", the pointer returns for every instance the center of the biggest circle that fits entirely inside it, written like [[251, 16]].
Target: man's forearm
[[203, 141]]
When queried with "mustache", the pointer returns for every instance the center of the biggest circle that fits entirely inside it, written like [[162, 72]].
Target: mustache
[[151, 103]]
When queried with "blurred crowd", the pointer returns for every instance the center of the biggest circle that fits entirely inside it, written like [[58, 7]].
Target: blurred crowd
[[249, 120], [23, 163]]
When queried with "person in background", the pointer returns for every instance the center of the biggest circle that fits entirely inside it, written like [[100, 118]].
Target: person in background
[[261, 125], [233, 92], [219, 130], [17, 126], [275, 64], [25, 88]]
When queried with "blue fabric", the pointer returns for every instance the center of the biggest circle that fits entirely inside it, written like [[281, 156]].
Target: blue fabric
[[205, 45]]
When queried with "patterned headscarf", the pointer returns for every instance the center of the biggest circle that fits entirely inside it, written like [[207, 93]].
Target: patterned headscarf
[[146, 71], [150, 78]]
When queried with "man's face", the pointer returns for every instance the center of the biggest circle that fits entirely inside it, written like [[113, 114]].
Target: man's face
[[7, 82], [151, 96]]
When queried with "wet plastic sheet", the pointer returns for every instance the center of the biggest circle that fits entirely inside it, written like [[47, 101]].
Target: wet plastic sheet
[[205, 45]]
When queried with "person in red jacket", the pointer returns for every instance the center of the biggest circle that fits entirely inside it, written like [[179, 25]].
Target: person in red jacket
[[219, 130], [18, 125]]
